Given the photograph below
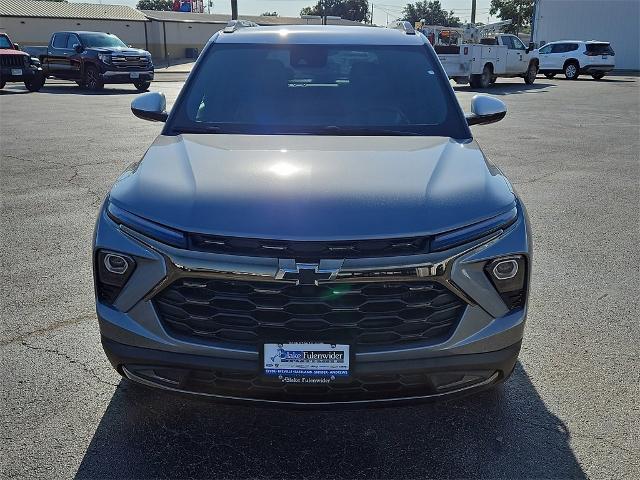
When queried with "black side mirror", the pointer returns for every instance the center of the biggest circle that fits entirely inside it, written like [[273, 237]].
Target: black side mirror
[[78, 48], [16, 46]]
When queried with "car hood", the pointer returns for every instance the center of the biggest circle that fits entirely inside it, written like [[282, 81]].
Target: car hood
[[313, 187], [9, 51]]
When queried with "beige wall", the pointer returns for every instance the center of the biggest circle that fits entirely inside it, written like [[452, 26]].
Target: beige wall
[[37, 31], [180, 36]]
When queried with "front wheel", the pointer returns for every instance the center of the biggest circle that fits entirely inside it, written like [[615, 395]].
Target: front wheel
[[571, 71], [142, 86], [532, 73], [35, 84], [598, 75], [92, 79], [549, 75]]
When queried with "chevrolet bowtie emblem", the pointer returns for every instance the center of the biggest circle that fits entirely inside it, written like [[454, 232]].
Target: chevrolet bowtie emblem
[[306, 273]]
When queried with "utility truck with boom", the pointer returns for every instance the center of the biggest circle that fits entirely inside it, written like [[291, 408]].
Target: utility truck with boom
[[480, 54]]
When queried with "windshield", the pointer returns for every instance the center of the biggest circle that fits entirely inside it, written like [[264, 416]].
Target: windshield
[[4, 42], [101, 40], [318, 89]]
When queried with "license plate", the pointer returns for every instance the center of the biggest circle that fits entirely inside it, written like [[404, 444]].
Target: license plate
[[306, 363], [134, 75], [604, 57], [16, 71]]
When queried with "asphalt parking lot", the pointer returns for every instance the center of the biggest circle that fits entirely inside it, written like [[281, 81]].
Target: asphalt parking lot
[[569, 411]]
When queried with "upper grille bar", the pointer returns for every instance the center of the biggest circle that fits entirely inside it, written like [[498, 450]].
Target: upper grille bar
[[309, 250]]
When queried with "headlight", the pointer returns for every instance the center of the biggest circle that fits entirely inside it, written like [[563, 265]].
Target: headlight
[[464, 235], [146, 227], [508, 275], [104, 57], [113, 270]]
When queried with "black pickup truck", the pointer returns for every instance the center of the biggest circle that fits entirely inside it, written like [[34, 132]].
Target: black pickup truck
[[92, 59]]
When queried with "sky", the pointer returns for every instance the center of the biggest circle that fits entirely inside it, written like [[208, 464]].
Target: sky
[[291, 8]]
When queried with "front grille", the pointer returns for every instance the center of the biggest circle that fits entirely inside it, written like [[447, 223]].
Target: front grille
[[309, 250], [130, 61], [18, 61], [360, 314]]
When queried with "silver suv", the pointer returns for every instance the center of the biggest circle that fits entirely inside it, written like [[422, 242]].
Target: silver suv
[[315, 225]]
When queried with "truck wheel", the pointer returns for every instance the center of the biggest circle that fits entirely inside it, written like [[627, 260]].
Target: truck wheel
[[92, 79], [2, 84], [494, 78], [35, 84], [571, 71], [483, 80], [598, 75], [549, 75], [532, 73], [142, 86]]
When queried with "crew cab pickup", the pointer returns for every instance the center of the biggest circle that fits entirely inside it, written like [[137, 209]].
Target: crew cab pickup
[[18, 66], [92, 59], [481, 64]]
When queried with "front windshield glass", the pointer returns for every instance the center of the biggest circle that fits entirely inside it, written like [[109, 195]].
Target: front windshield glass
[[319, 89], [101, 40], [4, 42]]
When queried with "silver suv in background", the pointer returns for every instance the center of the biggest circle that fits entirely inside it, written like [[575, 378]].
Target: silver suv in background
[[315, 225], [576, 57]]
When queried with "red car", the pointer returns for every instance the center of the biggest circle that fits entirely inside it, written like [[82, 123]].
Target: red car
[[18, 66]]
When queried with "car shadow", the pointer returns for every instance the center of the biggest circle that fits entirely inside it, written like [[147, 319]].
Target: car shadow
[[70, 89], [506, 432], [506, 88]]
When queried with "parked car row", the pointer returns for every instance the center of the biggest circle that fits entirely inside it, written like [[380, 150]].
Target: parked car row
[[90, 59]]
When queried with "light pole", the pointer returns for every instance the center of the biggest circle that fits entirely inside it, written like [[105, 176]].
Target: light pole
[[234, 9]]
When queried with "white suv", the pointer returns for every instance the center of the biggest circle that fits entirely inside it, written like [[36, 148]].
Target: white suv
[[573, 57]]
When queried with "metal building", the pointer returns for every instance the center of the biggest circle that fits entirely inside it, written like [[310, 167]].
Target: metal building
[[615, 21]]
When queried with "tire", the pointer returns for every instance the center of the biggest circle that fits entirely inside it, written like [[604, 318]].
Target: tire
[[571, 71], [598, 75], [2, 84], [92, 79], [549, 75], [483, 80], [142, 86], [35, 84], [493, 79], [532, 73]]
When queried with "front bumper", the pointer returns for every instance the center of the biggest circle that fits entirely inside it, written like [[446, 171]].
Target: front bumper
[[129, 76], [27, 73], [138, 343]]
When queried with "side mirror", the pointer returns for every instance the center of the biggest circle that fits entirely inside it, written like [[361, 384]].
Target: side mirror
[[485, 110], [78, 48], [16, 46], [150, 106]]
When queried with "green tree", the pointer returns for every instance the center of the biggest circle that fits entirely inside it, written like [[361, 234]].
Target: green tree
[[356, 10], [431, 12], [165, 5], [518, 11]]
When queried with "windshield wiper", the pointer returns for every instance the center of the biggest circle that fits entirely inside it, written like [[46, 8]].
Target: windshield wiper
[[198, 129], [336, 130]]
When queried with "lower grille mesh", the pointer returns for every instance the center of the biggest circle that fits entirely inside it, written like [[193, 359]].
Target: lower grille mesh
[[361, 314]]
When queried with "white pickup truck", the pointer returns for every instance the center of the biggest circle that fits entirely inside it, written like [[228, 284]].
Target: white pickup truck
[[480, 64]]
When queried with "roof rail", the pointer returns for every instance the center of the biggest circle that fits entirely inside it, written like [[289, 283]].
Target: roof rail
[[234, 25], [404, 26]]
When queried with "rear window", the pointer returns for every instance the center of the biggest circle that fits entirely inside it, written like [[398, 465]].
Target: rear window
[[600, 48], [316, 89]]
